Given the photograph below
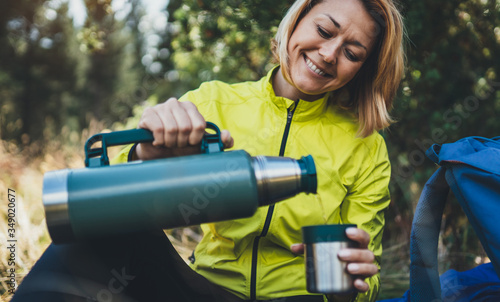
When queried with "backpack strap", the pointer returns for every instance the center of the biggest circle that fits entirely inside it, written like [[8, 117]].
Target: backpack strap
[[471, 167], [424, 274]]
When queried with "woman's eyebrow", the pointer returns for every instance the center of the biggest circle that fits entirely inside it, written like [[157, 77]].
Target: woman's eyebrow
[[355, 42], [334, 21]]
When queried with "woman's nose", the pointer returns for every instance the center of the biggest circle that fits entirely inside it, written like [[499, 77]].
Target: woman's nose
[[329, 51]]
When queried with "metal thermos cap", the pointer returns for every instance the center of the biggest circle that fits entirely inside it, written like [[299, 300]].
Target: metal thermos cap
[[308, 179]]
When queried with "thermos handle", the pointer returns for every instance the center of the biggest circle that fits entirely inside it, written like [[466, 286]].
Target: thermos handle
[[210, 143]]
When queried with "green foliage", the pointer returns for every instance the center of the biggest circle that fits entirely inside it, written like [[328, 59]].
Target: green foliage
[[450, 91], [53, 74], [224, 40], [36, 67], [110, 79]]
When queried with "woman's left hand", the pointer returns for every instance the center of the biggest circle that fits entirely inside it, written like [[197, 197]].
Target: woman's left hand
[[360, 261]]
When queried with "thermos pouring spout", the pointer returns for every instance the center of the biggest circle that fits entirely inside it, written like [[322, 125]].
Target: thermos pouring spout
[[279, 178]]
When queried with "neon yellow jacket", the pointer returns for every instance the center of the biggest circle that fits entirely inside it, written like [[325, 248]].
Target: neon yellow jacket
[[251, 257]]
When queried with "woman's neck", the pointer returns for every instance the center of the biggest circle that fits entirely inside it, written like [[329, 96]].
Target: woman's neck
[[284, 89]]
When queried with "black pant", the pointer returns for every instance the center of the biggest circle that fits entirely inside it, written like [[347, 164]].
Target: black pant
[[140, 267]]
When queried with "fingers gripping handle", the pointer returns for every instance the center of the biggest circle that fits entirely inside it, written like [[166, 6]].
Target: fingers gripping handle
[[98, 157]]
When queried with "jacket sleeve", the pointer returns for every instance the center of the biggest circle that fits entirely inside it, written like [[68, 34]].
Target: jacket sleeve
[[366, 202]]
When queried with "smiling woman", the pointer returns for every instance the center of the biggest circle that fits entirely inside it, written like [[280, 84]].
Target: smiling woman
[[342, 38]]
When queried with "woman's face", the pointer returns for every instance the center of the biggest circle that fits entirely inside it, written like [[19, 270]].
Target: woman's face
[[329, 45]]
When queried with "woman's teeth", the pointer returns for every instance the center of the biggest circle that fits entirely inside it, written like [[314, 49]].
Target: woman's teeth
[[314, 67]]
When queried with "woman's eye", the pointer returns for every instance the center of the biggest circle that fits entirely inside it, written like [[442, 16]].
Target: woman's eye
[[350, 56], [323, 33]]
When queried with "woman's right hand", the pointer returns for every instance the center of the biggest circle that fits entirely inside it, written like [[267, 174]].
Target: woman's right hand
[[177, 127]]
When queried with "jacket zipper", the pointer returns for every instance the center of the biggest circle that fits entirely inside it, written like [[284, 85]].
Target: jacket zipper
[[265, 229]]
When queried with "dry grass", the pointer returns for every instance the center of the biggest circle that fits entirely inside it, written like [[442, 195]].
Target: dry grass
[[22, 171], [30, 232]]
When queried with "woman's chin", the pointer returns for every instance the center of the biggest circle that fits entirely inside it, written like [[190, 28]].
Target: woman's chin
[[311, 90]]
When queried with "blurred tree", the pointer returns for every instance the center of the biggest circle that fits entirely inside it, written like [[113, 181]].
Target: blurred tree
[[37, 67], [113, 73], [224, 40], [171, 86], [53, 79], [132, 23]]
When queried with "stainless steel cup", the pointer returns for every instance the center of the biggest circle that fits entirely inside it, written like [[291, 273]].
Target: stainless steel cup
[[325, 273]]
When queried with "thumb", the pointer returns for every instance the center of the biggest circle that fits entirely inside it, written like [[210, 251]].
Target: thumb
[[226, 138], [297, 248]]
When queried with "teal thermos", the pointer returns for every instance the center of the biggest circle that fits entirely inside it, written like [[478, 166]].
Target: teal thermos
[[102, 200]]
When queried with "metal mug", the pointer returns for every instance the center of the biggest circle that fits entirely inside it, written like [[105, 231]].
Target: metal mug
[[325, 273]]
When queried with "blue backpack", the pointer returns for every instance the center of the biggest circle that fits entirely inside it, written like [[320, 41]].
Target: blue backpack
[[471, 168]]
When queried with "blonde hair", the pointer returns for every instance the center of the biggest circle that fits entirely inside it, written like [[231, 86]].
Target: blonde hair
[[372, 90]]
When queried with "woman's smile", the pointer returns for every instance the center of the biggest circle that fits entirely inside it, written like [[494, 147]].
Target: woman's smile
[[314, 68]]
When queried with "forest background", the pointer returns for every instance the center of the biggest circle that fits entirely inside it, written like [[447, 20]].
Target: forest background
[[60, 83]]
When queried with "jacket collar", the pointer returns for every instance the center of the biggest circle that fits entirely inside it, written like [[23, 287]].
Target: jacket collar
[[304, 111]]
